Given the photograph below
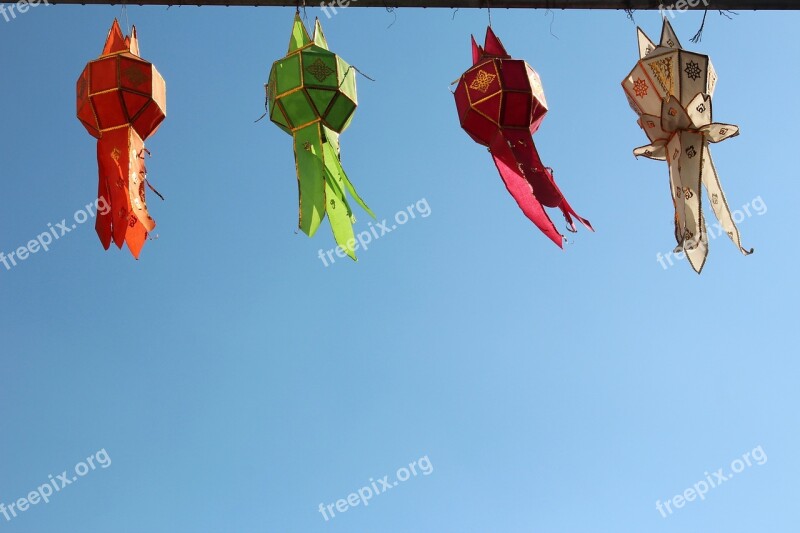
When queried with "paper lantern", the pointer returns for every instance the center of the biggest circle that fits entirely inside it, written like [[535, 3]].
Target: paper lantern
[[671, 90], [312, 96], [501, 103], [121, 100]]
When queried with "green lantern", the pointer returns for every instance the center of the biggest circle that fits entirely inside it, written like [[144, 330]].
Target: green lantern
[[312, 96]]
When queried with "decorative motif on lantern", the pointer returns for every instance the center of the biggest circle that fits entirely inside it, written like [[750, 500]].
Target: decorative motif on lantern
[[312, 96], [671, 90], [501, 104], [121, 100]]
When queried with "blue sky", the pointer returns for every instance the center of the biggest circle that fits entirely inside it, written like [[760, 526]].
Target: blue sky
[[236, 383]]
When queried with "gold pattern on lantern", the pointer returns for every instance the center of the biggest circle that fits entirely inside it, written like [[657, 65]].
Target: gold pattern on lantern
[[319, 70], [663, 70], [482, 81]]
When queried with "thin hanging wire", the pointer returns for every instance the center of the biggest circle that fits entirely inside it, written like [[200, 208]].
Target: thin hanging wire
[[147, 181], [552, 21], [391, 10], [266, 103], [124, 12], [346, 72], [699, 35]]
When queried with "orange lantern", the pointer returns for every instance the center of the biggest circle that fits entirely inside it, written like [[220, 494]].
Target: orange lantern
[[121, 101]]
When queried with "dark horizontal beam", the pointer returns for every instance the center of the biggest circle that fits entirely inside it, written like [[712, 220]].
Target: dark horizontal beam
[[676, 5]]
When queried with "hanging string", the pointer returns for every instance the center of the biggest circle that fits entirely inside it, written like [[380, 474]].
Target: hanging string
[[356, 69], [141, 155], [489, 9], [147, 181], [346, 72], [454, 13], [699, 35], [124, 12], [266, 103], [552, 21], [392, 11]]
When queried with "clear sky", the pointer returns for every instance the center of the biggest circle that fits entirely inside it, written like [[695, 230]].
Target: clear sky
[[233, 383]]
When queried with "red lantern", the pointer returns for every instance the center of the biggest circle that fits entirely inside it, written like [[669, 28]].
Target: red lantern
[[501, 104], [121, 101]]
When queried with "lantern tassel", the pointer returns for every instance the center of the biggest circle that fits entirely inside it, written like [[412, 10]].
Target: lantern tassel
[[530, 183], [323, 186], [683, 141], [122, 189]]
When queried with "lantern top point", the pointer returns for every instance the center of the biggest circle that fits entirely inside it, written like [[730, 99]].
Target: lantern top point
[[300, 37], [669, 41], [668, 37], [116, 42], [492, 47], [646, 45], [319, 36]]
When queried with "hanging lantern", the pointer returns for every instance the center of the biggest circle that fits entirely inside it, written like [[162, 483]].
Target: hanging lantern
[[671, 90], [501, 104], [121, 101], [312, 96]]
